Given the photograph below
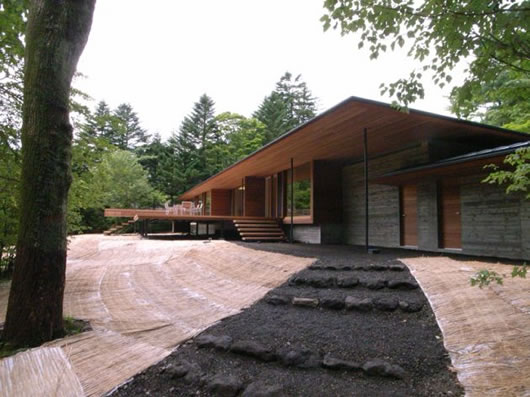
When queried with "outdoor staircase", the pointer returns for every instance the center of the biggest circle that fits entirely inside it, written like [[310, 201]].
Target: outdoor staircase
[[118, 228], [259, 230]]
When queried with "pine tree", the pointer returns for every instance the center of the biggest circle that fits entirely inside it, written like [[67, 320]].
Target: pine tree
[[289, 105], [191, 146], [127, 133], [98, 124]]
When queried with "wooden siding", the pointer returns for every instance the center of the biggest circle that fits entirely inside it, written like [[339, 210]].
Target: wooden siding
[[409, 215], [221, 202], [254, 196]]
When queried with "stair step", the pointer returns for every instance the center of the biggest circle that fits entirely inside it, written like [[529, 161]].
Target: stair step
[[261, 238], [239, 225], [262, 234], [255, 221], [259, 229]]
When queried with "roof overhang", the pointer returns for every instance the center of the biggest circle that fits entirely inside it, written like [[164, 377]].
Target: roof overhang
[[337, 135], [469, 164]]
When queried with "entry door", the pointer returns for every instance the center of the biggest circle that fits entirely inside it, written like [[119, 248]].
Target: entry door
[[409, 215], [450, 218]]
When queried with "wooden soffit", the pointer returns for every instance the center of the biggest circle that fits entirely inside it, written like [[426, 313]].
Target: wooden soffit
[[337, 135]]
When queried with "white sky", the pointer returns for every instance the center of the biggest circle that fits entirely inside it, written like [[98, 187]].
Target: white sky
[[161, 55]]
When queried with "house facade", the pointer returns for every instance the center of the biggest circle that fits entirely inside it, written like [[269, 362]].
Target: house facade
[[423, 174]]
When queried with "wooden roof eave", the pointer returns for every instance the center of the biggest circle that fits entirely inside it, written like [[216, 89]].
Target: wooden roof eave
[[337, 134]]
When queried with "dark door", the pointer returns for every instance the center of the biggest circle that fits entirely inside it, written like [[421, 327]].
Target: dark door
[[409, 215], [450, 218]]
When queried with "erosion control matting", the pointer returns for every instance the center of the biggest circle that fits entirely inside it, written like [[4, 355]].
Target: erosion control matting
[[142, 298], [351, 324], [486, 331]]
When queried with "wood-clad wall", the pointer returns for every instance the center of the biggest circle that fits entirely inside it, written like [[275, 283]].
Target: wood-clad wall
[[221, 202], [254, 196]]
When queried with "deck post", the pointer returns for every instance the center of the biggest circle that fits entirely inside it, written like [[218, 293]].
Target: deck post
[[222, 230], [197, 229], [292, 202], [366, 215]]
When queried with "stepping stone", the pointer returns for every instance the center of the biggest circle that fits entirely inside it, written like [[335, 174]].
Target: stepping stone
[[348, 282], [397, 268], [332, 303], [337, 364], [277, 300], [259, 389], [402, 284], [217, 342], [177, 370], [322, 282], [374, 284], [386, 304], [253, 349], [225, 385], [305, 302], [298, 358], [362, 305], [410, 307], [378, 267], [378, 367]]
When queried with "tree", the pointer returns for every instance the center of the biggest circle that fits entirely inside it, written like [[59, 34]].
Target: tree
[[126, 132], [197, 134], [98, 124], [55, 38], [120, 181], [239, 137], [503, 101], [289, 105], [492, 35]]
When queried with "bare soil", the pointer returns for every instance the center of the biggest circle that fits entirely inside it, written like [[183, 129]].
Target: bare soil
[[275, 348]]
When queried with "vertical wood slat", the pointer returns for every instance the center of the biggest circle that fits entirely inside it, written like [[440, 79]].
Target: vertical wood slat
[[451, 223], [409, 215]]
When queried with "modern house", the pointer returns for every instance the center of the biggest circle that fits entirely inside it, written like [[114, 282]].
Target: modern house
[[423, 174]]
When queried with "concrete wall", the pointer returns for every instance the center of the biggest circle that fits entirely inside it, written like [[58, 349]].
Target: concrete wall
[[384, 219], [494, 223], [309, 234]]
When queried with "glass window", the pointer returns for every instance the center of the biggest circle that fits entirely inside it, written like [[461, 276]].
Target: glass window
[[302, 190]]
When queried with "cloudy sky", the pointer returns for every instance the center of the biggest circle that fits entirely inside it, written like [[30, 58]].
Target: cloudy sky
[[161, 55]]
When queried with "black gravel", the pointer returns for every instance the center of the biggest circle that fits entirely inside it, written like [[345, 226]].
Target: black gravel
[[280, 349]]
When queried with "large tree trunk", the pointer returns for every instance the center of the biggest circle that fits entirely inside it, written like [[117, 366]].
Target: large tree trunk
[[55, 38]]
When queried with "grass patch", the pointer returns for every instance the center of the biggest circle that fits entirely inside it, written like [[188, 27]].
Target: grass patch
[[72, 326]]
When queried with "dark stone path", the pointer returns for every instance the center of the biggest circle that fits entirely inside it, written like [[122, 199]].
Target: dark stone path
[[351, 325]]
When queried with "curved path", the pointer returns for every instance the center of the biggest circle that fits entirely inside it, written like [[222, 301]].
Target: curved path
[[486, 331], [142, 298]]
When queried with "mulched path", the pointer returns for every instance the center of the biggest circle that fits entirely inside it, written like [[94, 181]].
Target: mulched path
[[328, 344]]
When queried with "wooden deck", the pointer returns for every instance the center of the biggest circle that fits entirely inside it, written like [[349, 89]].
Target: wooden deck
[[163, 215]]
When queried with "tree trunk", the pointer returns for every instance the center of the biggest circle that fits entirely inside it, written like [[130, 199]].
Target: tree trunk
[[56, 35]]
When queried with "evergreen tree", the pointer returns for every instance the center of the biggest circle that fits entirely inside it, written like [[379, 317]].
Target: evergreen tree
[[127, 133], [288, 106], [191, 146], [98, 124]]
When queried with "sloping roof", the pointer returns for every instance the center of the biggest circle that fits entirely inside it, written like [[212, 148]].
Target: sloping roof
[[337, 134], [471, 161]]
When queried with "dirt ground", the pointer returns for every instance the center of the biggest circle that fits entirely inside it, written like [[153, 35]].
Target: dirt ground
[[142, 298], [331, 346]]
